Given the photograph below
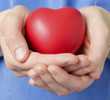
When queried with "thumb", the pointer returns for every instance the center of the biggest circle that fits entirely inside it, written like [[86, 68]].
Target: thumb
[[15, 41], [97, 55], [18, 47]]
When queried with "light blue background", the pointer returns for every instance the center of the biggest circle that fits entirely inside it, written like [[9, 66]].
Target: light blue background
[[32, 4], [13, 88]]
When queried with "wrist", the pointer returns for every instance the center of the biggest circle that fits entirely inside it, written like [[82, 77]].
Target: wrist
[[107, 14]]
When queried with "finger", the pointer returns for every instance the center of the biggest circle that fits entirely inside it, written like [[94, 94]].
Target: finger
[[83, 63], [70, 81], [61, 76], [53, 85], [96, 74], [35, 76], [38, 82], [37, 70], [84, 71], [48, 59], [20, 73], [41, 71], [83, 60], [10, 62], [71, 68], [60, 59], [17, 70]]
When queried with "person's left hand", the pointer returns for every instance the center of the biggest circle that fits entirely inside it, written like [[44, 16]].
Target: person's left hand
[[97, 43], [17, 55], [57, 80]]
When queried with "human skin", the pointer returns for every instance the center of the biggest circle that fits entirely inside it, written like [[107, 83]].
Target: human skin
[[45, 70], [96, 48], [15, 48]]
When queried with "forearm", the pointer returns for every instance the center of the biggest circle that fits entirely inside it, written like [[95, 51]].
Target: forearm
[[107, 14]]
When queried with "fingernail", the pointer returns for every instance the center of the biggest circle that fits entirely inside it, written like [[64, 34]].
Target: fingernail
[[20, 54]]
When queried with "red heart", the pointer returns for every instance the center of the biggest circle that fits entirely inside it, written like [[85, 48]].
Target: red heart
[[55, 31]]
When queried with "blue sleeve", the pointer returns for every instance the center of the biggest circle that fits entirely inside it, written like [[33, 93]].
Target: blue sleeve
[[32, 4]]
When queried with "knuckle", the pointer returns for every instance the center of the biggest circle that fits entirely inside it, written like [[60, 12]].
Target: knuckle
[[41, 68], [68, 59], [73, 59]]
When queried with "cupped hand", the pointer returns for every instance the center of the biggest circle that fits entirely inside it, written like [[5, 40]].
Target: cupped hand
[[97, 43], [92, 58], [57, 80], [18, 57], [21, 60]]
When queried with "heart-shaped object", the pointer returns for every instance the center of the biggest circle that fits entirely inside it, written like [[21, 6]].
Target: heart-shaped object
[[55, 30]]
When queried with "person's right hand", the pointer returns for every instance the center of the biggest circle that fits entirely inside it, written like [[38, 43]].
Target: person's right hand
[[12, 36], [15, 49]]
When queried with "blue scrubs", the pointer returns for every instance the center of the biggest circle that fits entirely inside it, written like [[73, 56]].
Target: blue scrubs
[[13, 88]]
